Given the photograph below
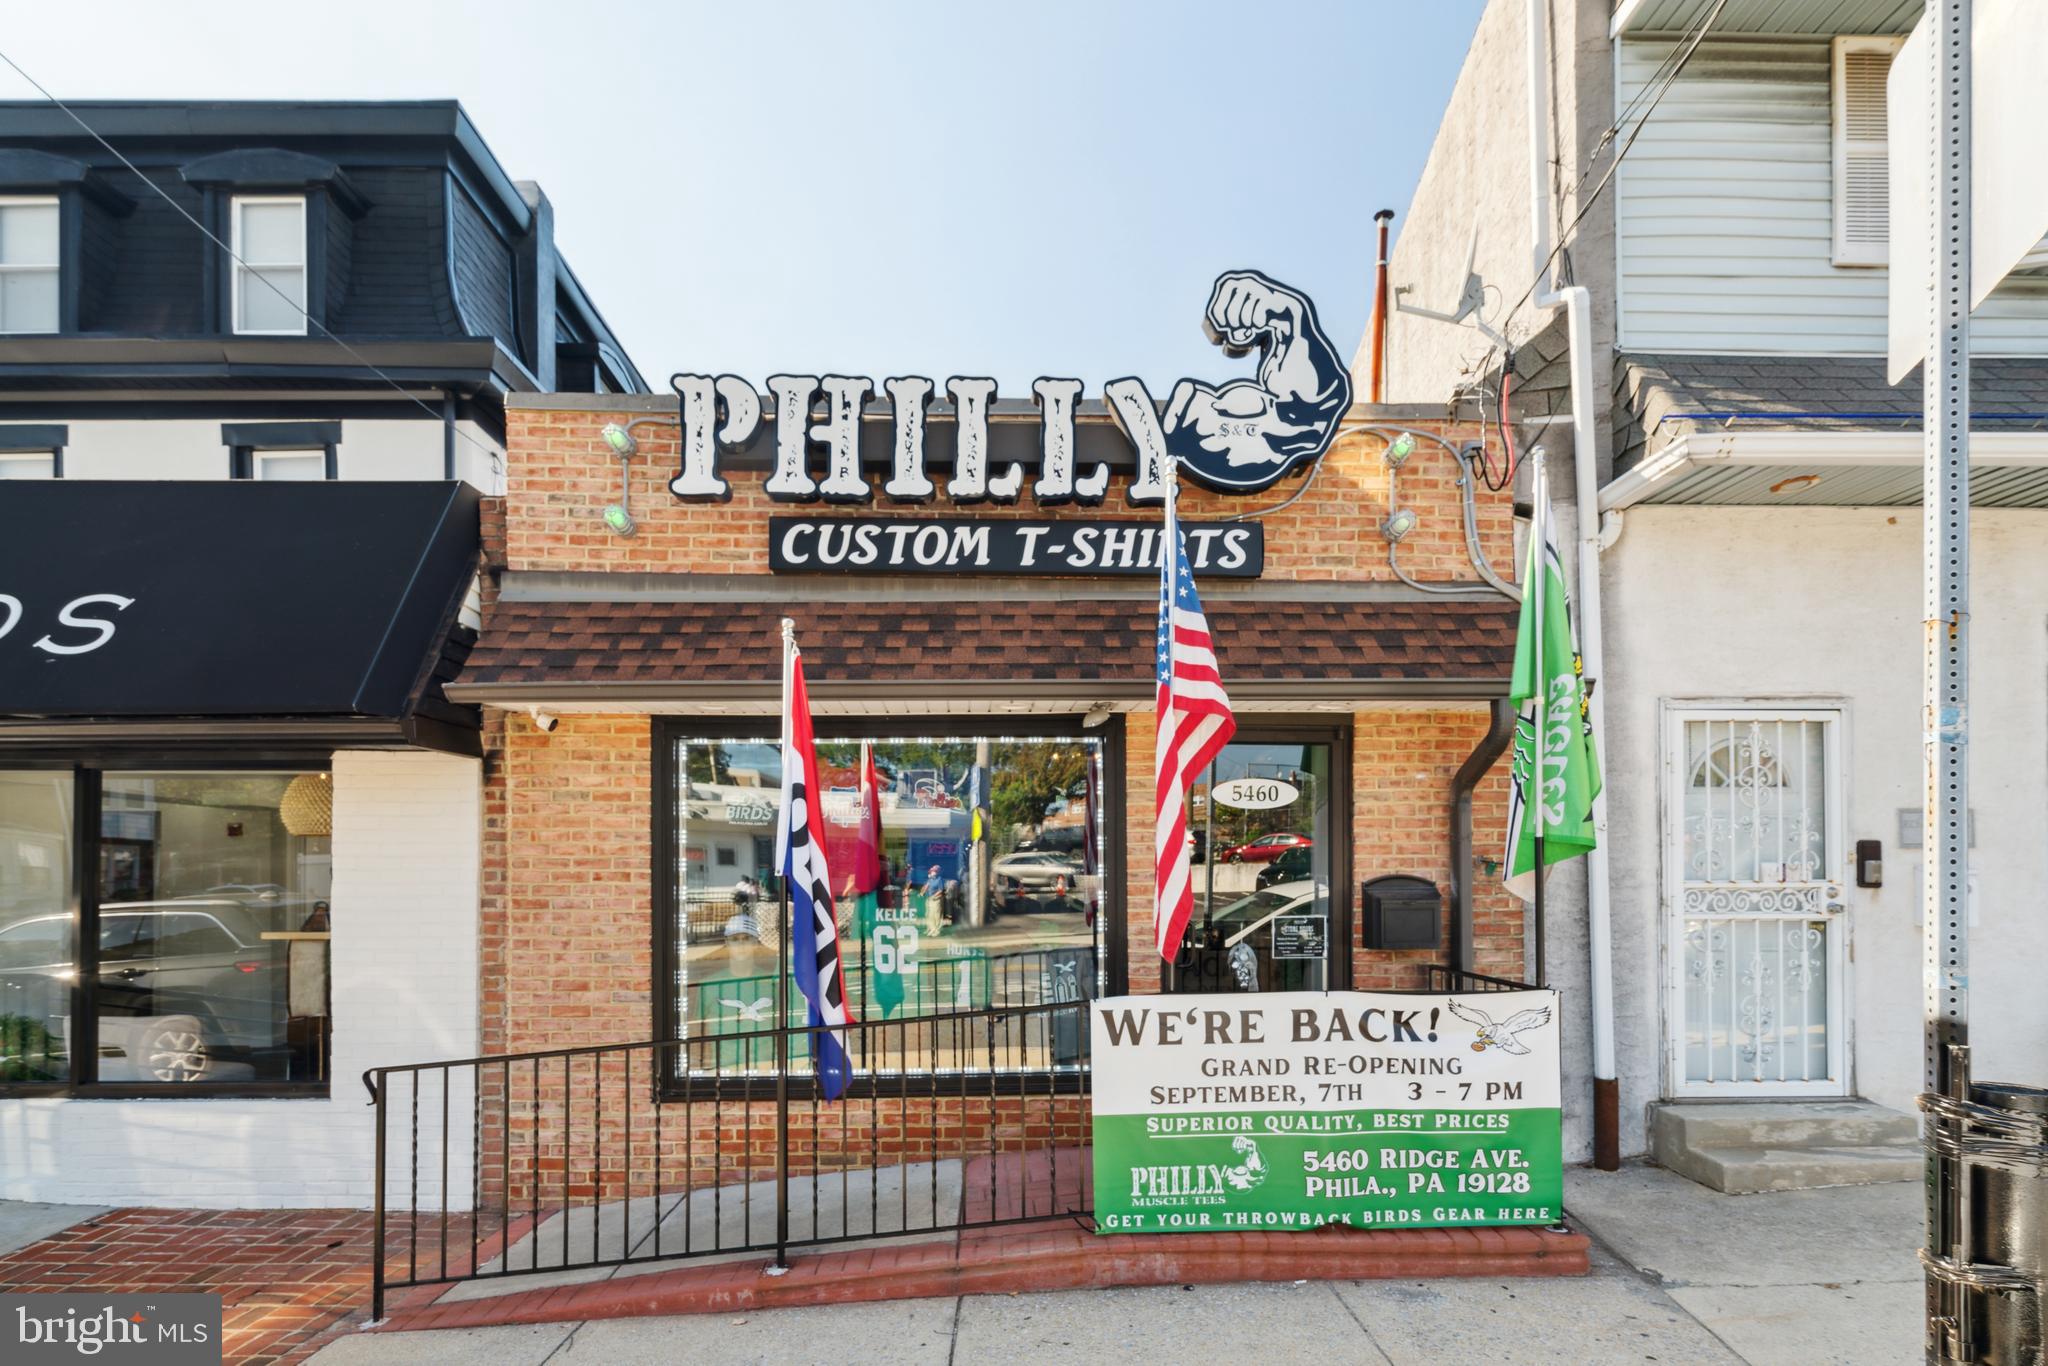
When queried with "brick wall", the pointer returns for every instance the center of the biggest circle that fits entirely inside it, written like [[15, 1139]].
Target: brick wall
[[567, 952], [561, 477], [566, 938], [1402, 764]]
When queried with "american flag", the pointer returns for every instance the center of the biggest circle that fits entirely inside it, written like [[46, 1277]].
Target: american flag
[[1194, 725]]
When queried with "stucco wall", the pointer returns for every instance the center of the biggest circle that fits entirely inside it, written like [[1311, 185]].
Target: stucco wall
[[1819, 605], [406, 832], [372, 448], [1477, 177]]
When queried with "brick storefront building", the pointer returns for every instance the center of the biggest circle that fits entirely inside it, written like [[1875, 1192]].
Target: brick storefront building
[[631, 687]]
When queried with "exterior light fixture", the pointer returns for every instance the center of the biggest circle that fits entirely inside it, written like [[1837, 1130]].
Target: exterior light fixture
[[619, 516], [1398, 524], [1400, 448]]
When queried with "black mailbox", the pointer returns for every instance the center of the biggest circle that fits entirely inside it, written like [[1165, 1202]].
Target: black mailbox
[[1402, 913]]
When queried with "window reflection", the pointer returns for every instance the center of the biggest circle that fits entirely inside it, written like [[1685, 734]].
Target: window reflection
[[1259, 846], [36, 930], [213, 923], [984, 890]]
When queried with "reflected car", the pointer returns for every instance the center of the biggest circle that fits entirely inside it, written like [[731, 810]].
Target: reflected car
[[1243, 918], [1265, 848], [183, 985], [1036, 870], [1292, 866]]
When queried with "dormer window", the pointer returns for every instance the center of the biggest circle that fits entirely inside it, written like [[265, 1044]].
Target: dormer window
[[270, 267], [28, 264]]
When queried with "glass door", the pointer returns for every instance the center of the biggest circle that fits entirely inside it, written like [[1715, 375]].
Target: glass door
[[1261, 850]]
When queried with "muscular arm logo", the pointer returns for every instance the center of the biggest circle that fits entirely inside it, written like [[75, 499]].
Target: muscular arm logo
[[1248, 433]]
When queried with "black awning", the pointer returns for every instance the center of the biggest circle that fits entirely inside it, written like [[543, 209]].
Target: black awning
[[328, 605]]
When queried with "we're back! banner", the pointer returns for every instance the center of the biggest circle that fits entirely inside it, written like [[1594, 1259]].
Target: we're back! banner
[[1294, 1110]]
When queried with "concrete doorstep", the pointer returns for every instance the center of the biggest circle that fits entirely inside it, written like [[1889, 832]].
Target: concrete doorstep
[[1746, 1147]]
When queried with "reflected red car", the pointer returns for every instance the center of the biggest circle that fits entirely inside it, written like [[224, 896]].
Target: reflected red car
[[1265, 848]]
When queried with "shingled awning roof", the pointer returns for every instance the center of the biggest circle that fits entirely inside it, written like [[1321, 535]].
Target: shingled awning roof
[[1816, 431], [637, 652], [1661, 398]]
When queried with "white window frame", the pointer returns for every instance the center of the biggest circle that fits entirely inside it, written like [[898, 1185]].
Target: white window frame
[[24, 457], [258, 458], [242, 265], [1842, 147], [55, 268]]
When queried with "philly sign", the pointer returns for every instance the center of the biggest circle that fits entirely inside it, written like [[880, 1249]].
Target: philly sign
[[1236, 437]]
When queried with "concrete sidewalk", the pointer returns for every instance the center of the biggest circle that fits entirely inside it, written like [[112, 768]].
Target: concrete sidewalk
[[23, 1222], [1685, 1275]]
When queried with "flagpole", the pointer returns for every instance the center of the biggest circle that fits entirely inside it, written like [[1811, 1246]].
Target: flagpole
[[782, 980], [860, 787], [1539, 560]]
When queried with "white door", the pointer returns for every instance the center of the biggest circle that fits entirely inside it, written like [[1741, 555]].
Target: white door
[[1754, 928]]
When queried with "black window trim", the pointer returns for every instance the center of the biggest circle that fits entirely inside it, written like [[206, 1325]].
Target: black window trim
[[83, 906], [244, 439], [1262, 728], [1115, 933]]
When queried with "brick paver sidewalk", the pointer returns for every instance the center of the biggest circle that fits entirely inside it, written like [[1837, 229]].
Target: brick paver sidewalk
[[285, 1277]]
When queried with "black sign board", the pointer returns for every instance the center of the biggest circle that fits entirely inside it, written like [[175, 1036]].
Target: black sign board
[[227, 598], [1301, 936], [993, 546]]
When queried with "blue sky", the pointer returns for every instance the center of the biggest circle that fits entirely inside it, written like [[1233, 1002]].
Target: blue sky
[[884, 188]]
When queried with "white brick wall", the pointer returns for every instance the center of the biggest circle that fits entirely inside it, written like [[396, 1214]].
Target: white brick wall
[[407, 833]]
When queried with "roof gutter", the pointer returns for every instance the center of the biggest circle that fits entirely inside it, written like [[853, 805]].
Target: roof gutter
[[1577, 303]]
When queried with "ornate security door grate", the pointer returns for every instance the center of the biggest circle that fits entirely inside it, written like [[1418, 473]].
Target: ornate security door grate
[[1755, 944]]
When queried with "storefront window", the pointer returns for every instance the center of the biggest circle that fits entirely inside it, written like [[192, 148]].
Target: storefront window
[[1261, 850], [209, 914], [985, 890], [36, 926]]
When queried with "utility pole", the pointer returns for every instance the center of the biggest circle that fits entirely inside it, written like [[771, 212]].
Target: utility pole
[[1945, 528]]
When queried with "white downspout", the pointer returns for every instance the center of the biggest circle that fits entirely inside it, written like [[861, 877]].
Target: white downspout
[[1578, 307]]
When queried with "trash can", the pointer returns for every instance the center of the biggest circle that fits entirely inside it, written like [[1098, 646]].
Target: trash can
[[2005, 1161]]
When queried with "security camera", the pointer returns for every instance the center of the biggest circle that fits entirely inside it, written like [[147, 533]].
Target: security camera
[[544, 722]]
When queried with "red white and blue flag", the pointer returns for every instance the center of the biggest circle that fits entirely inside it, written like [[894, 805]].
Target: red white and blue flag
[[800, 854], [1195, 723]]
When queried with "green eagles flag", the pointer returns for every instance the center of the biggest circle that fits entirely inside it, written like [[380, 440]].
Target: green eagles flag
[[882, 951], [1553, 728]]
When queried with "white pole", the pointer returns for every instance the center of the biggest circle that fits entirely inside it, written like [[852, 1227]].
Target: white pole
[[1577, 302]]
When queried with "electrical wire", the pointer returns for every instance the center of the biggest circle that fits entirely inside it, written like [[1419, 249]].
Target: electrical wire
[[495, 458], [1507, 428], [1687, 48]]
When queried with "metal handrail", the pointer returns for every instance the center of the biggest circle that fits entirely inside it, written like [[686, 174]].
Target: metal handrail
[[550, 1140], [1443, 977]]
